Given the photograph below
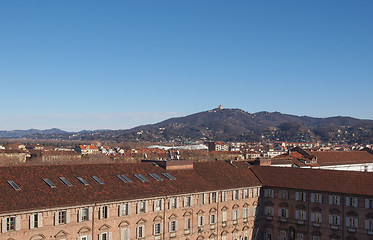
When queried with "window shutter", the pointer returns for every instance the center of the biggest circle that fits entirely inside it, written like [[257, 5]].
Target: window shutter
[[356, 203], [169, 203], [162, 204], [89, 237], [154, 205], [31, 221], [279, 212], [330, 199], [356, 223], [287, 213], [338, 200], [367, 224], [146, 206], [366, 203], [99, 237], [313, 217], [320, 217], [175, 225], [18, 223], [90, 213], [348, 201], [110, 235], [297, 196], [348, 222], [138, 207], [120, 211], [80, 215], [169, 226], [40, 220], [67, 216], [177, 202], [56, 218], [312, 197], [78, 238], [210, 198], [191, 201], [129, 208], [297, 214], [330, 219]]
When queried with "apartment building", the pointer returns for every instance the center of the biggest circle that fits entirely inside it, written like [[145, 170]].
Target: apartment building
[[215, 200], [308, 204], [183, 200]]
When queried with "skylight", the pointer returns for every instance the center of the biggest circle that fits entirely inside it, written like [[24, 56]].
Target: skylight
[[50, 184], [14, 185], [156, 177], [141, 177], [82, 180], [124, 178], [65, 181], [169, 176], [97, 180]]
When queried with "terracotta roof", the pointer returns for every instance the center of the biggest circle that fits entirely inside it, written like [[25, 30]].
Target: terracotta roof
[[36, 194], [344, 157], [316, 179]]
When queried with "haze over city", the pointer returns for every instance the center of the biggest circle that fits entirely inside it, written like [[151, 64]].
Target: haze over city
[[80, 65]]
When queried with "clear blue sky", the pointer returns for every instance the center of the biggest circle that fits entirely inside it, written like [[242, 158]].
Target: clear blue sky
[[117, 64]]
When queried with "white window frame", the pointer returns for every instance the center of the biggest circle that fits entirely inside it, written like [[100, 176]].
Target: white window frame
[[36, 220]]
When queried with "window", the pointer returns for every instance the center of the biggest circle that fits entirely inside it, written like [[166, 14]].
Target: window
[[268, 211], [351, 201], [36, 220], [188, 201], [124, 234], [334, 200], [283, 194], [246, 193], [236, 195], [173, 226], [316, 198], [85, 214], [368, 203], [142, 207], [334, 220], [300, 236], [268, 235], [158, 204], [212, 218], [187, 223], [269, 193], [173, 203], [316, 217], [283, 213], [235, 216], [213, 197], [255, 192], [300, 215], [140, 231], [245, 212], [224, 196], [201, 199], [86, 237], [10, 224], [62, 217], [104, 212], [316, 238], [224, 215], [301, 196], [124, 209], [369, 225], [255, 211], [105, 236], [283, 235], [157, 228], [201, 221], [352, 222]]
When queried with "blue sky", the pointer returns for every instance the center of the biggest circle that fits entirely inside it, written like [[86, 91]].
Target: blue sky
[[117, 64]]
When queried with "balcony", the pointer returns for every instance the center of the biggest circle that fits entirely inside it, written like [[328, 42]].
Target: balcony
[[245, 220], [316, 224], [334, 227], [351, 229], [157, 237], [187, 231], [235, 222], [301, 222], [212, 226], [282, 219], [269, 217], [172, 234]]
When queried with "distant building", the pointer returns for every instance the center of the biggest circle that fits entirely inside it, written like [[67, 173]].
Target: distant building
[[218, 146], [86, 149]]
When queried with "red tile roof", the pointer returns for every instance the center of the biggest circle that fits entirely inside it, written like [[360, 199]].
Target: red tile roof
[[316, 179], [36, 194], [339, 158]]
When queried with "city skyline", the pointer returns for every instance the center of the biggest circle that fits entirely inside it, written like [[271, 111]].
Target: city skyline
[[122, 64]]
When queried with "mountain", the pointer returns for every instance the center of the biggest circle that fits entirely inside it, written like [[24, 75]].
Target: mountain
[[233, 125], [30, 132]]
